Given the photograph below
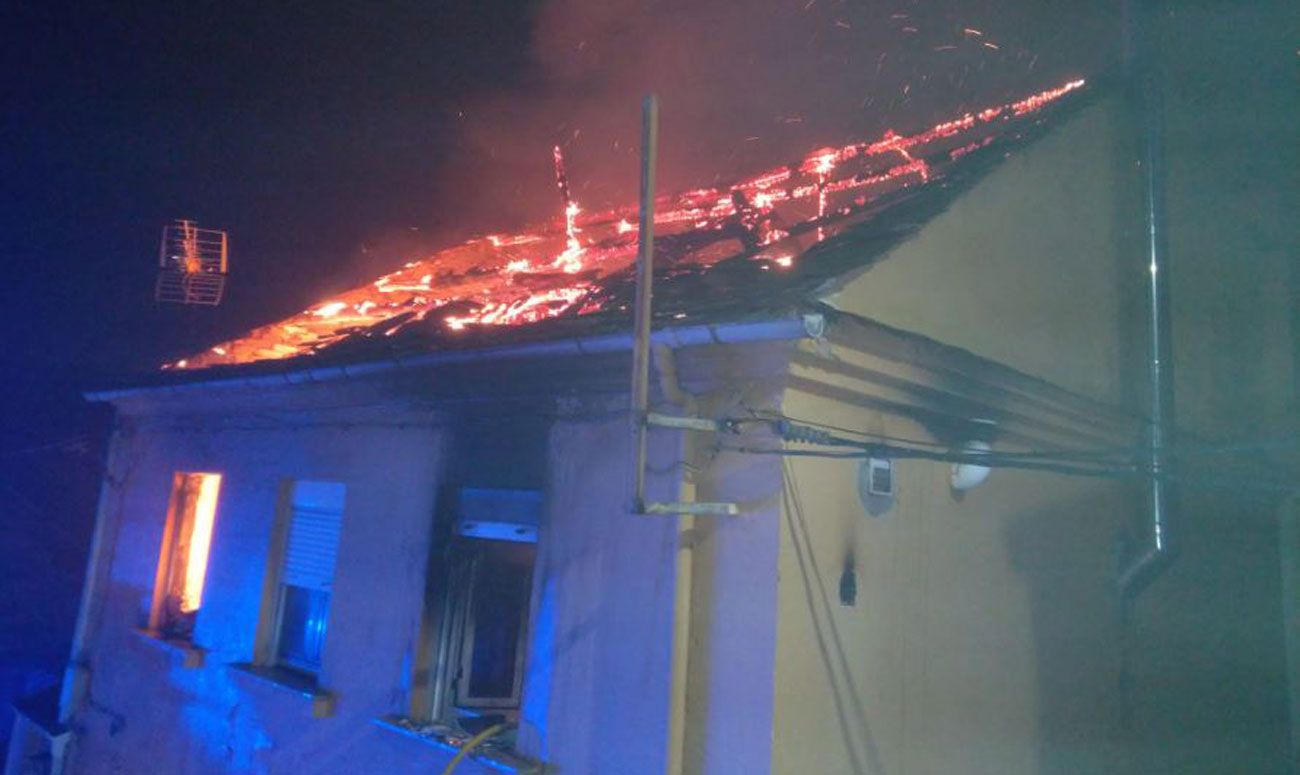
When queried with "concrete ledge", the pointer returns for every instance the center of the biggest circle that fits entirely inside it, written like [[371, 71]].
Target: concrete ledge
[[323, 702], [192, 656], [500, 759]]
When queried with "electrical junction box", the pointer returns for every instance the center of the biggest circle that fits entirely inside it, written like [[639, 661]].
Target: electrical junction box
[[880, 477], [876, 486]]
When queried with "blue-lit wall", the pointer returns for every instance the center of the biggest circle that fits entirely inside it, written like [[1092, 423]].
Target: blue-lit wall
[[596, 694], [147, 712]]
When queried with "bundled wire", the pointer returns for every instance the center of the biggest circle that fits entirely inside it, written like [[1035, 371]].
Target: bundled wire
[[829, 441], [1065, 462]]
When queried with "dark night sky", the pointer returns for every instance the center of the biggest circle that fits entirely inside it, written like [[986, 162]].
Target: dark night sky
[[300, 131]]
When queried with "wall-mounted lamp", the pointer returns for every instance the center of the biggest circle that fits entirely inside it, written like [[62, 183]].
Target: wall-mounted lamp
[[968, 475]]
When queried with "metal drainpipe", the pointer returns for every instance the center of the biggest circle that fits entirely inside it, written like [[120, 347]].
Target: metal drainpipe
[[1144, 79], [665, 362]]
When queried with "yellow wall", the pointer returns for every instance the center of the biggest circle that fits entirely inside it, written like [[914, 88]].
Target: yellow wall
[[1025, 267], [984, 638]]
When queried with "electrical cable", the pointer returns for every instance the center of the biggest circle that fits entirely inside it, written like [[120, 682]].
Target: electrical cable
[[72, 443], [1070, 454], [1137, 451], [471, 744], [899, 453], [862, 450], [1080, 463], [794, 432], [841, 429]]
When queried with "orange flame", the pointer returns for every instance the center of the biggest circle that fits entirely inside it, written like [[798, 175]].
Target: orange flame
[[524, 278], [196, 564]]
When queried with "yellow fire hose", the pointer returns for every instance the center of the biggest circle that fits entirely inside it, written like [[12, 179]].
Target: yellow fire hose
[[471, 744]]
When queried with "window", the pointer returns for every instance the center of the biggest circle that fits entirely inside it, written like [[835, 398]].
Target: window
[[486, 582], [178, 588], [305, 576]]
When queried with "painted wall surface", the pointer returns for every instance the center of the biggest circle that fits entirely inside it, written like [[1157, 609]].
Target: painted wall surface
[[1024, 268], [733, 615], [985, 635], [596, 698], [1206, 654], [596, 690], [147, 713]]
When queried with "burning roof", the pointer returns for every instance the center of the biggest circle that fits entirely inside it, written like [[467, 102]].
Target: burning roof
[[774, 229]]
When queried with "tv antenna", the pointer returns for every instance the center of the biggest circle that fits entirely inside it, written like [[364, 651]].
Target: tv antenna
[[191, 265]]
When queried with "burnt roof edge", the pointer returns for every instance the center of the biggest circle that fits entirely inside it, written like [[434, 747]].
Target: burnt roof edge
[[784, 327], [901, 345]]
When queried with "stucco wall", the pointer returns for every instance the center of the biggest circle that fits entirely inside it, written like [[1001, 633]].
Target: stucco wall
[[149, 714], [596, 698], [1025, 269], [733, 615], [596, 689], [985, 633]]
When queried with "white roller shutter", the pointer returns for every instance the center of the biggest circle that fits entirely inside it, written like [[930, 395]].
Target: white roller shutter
[[313, 546]]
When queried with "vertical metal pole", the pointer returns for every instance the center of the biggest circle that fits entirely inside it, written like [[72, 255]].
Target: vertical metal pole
[[641, 310], [1161, 380], [1145, 78]]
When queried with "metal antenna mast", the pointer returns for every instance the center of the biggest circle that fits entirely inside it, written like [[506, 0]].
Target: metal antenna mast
[[642, 417]]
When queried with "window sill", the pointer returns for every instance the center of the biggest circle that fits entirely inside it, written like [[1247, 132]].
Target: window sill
[[306, 686], [192, 656], [447, 739]]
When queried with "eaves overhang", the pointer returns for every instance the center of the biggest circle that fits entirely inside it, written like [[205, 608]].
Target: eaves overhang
[[777, 328]]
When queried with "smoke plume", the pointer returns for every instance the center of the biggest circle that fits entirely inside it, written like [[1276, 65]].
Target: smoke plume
[[743, 86]]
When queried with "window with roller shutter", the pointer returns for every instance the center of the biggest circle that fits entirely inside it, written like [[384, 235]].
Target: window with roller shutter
[[307, 573]]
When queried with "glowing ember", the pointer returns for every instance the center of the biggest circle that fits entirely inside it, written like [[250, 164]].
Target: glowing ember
[[330, 310], [506, 280]]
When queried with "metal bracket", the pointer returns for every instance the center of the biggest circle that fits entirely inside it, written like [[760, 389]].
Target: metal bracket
[[683, 423], [703, 508]]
